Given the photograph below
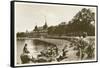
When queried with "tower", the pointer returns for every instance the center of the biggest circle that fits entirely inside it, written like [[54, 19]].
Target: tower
[[45, 25]]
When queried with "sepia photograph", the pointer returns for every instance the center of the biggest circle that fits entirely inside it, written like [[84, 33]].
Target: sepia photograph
[[52, 33]]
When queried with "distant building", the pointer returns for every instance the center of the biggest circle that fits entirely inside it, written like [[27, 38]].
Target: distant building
[[41, 31]]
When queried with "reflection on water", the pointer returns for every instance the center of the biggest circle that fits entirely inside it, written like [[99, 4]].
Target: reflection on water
[[34, 46], [20, 46]]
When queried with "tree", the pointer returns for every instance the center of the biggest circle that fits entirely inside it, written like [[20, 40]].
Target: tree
[[51, 30], [81, 22]]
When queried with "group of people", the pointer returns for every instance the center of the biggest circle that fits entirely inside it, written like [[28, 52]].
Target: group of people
[[50, 51], [47, 55], [27, 57]]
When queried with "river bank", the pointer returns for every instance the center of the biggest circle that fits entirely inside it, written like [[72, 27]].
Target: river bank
[[61, 43]]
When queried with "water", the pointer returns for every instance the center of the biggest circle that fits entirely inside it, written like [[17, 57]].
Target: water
[[33, 46], [20, 46]]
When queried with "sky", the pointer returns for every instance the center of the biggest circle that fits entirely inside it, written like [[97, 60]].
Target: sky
[[28, 15]]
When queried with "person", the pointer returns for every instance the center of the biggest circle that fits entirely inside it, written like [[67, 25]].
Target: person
[[26, 56], [49, 52], [62, 54], [56, 49], [25, 49], [84, 34]]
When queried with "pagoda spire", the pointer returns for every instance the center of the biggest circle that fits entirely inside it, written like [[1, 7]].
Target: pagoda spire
[[45, 20], [45, 25]]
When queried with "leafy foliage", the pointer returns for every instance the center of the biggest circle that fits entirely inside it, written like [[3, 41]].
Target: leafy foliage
[[80, 23]]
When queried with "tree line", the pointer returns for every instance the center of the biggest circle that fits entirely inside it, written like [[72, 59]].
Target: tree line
[[83, 21]]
